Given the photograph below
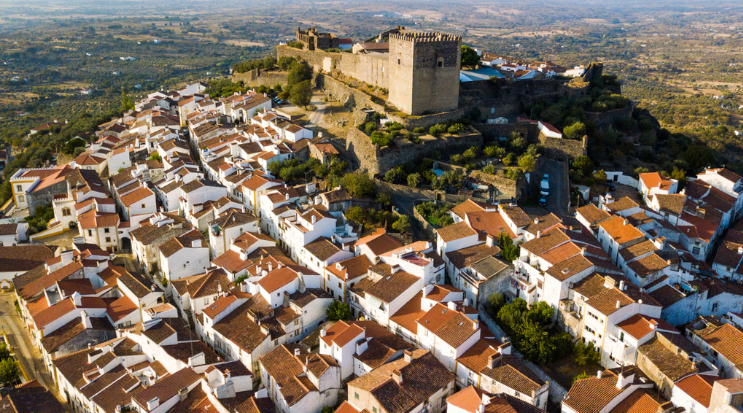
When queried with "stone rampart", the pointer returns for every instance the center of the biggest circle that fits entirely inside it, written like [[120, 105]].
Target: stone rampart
[[507, 187], [259, 77], [603, 119], [378, 160]]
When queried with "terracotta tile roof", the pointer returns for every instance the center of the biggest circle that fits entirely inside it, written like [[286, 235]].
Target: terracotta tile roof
[[346, 407], [120, 308], [83, 286], [648, 265], [278, 278], [605, 301], [379, 242], [570, 267], [592, 214], [671, 364], [637, 250], [620, 232], [561, 253], [639, 401], [422, 377], [655, 180], [639, 325], [30, 397], [672, 204], [513, 373], [543, 223], [698, 387], [476, 357], [591, 395], [46, 280], [282, 364], [322, 248], [456, 231], [667, 295], [465, 257], [621, 204], [726, 340], [382, 349], [182, 241], [451, 326], [351, 268], [545, 242], [469, 206], [136, 196], [231, 262], [166, 387], [24, 257], [488, 223], [391, 286], [187, 349], [136, 283], [408, 315], [233, 219], [516, 214], [468, 399], [52, 341]]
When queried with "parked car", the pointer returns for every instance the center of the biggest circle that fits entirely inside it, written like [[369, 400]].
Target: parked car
[[611, 187], [544, 185], [543, 201]]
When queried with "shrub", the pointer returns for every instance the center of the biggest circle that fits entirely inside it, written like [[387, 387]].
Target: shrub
[[509, 159], [395, 175], [295, 44], [394, 126], [471, 153], [489, 169], [414, 180], [527, 163], [381, 139], [586, 355], [437, 129], [455, 128], [575, 131], [402, 224], [338, 310], [370, 127], [514, 173], [418, 130], [495, 151]]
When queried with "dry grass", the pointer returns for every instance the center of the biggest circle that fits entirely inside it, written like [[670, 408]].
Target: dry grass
[[243, 43]]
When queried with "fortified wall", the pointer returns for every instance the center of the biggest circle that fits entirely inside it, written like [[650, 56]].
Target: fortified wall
[[378, 160], [369, 68], [259, 77]]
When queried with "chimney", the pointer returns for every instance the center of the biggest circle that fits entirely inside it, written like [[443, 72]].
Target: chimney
[[598, 375], [183, 393], [539, 234], [475, 324], [465, 302], [296, 351], [621, 381], [621, 286], [618, 304], [362, 346], [452, 305], [314, 219], [408, 356], [490, 241], [196, 243], [270, 266], [536, 220], [85, 320], [481, 408], [77, 299], [397, 376], [323, 332], [492, 360], [625, 221]]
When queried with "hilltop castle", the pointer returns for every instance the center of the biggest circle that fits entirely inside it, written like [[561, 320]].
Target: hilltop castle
[[420, 69]]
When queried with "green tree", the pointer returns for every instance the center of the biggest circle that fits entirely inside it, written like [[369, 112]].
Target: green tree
[[509, 159], [575, 131], [527, 163], [299, 72], [580, 377], [301, 93], [338, 310], [4, 351], [508, 251], [679, 175], [495, 302], [489, 169], [9, 371], [535, 343], [384, 198], [469, 57], [437, 129], [285, 62], [583, 164], [358, 184], [126, 102], [156, 157], [402, 225], [414, 180], [586, 355], [600, 177], [370, 127]]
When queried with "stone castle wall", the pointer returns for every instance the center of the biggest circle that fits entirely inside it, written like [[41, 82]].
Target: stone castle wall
[[370, 68], [375, 160], [604, 119], [424, 72], [258, 77]]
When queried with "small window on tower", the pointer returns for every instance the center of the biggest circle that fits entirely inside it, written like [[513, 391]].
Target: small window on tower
[[441, 63], [398, 61]]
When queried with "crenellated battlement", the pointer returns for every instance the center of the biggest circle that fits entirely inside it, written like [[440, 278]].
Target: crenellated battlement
[[424, 37]]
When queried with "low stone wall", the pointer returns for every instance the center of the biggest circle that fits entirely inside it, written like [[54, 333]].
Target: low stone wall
[[347, 95], [376, 160], [603, 119], [507, 187], [562, 148], [258, 77], [423, 223], [426, 121]]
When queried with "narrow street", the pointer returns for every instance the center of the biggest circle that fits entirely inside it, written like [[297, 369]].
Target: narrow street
[[28, 356]]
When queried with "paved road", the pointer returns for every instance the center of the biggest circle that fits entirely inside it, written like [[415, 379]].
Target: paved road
[[557, 201], [28, 356]]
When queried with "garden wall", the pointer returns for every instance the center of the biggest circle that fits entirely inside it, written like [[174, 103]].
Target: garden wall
[[603, 119]]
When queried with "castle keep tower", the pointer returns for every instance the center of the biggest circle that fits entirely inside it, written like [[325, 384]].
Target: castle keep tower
[[424, 71]]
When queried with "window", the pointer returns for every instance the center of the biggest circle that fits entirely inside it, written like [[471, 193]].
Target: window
[[108, 239], [296, 322], [355, 395], [340, 285], [142, 205], [106, 230], [398, 61], [21, 198], [66, 212], [19, 188], [714, 306], [374, 409], [441, 63], [90, 233]]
